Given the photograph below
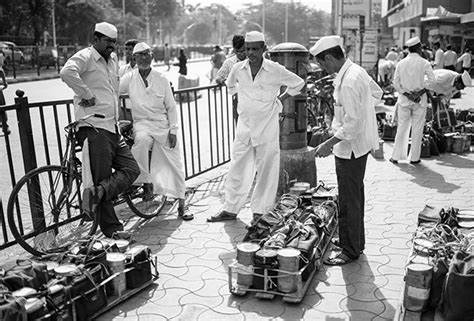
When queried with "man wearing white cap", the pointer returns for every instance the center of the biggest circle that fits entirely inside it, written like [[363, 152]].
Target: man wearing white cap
[[409, 81], [355, 135], [256, 145], [155, 123], [92, 73], [446, 84]]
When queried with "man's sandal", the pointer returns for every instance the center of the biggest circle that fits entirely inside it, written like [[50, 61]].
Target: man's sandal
[[339, 259], [186, 216], [222, 216]]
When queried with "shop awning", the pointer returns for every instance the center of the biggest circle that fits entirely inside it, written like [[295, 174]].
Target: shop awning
[[468, 17], [441, 14]]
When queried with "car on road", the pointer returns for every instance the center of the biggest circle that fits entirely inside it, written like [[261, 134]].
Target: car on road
[[8, 48]]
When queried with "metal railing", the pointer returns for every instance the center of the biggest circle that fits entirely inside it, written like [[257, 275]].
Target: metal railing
[[33, 136]]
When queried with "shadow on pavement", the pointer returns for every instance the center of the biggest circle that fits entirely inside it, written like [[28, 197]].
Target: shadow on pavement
[[428, 178], [455, 160]]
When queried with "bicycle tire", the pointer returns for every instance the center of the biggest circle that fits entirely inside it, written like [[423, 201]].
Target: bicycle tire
[[61, 214], [143, 208]]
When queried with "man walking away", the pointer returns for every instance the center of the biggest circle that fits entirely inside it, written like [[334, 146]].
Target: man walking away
[[466, 60], [256, 146], [167, 56], [450, 58], [439, 56], [355, 135], [92, 73], [412, 101]]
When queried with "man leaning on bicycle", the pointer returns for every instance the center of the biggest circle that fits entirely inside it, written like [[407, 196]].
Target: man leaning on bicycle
[[92, 73]]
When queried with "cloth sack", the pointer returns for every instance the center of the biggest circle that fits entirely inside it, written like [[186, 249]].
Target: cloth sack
[[389, 131], [458, 292]]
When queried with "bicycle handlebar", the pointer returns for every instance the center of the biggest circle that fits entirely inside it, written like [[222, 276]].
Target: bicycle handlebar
[[83, 120]]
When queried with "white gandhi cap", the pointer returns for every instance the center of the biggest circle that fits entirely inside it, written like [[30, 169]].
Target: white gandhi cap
[[254, 36], [466, 79], [413, 41], [106, 29], [325, 43], [141, 46]]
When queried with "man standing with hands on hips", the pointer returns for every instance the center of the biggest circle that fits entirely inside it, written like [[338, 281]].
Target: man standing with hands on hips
[[92, 73], [256, 147], [355, 135]]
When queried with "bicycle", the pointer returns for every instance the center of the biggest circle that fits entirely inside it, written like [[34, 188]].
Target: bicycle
[[52, 193]]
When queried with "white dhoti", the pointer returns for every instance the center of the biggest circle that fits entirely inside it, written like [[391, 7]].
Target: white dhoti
[[165, 168], [264, 159], [409, 117]]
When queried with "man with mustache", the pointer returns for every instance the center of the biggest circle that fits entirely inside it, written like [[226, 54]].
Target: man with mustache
[[92, 73], [256, 145]]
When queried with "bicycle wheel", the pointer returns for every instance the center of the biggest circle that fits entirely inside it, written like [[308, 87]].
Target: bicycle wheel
[[44, 211], [146, 208]]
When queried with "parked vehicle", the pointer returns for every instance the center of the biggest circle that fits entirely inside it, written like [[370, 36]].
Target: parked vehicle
[[8, 48]]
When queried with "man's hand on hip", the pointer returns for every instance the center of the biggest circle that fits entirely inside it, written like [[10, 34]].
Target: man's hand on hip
[[172, 140]]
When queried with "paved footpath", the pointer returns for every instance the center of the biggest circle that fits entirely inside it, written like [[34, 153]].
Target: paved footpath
[[194, 256]]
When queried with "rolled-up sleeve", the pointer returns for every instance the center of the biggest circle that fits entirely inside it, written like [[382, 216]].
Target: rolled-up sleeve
[[351, 105], [71, 75], [171, 109], [292, 81]]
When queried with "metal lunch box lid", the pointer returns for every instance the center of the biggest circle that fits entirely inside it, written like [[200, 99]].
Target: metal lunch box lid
[[66, 270], [248, 247]]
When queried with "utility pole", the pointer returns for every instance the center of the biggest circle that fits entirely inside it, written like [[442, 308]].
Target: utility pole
[[147, 21], [263, 17], [53, 20], [340, 16], [123, 20], [220, 25], [286, 22]]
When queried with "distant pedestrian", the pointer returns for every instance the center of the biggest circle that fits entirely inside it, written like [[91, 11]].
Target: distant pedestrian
[[217, 59], [167, 56], [403, 53], [355, 135], [439, 56], [427, 53], [155, 126], [4, 80], [409, 81], [182, 62], [450, 58], [466, 59], [129, 60], [92, 73], [256, 148], [392, 55], [239, 54]]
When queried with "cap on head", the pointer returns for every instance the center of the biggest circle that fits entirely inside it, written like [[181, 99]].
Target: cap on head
[[466, 79], [107, 29], [141, 46], [254, 36], [325, 43], [413, 41]]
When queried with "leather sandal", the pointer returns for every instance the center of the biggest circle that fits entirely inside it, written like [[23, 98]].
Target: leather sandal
[[339, 259], [186, 216], [222, 216]]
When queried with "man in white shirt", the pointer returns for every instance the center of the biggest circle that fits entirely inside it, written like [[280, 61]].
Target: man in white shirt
[[392, 55], [92, 73], [155, 124], [450, 59], [409, 81], [256, 145], [355, 135], [238, 44], [466, 59], [439, 56], [130, 62]]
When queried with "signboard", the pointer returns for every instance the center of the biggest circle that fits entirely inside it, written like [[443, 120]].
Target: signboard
[[412, 9]]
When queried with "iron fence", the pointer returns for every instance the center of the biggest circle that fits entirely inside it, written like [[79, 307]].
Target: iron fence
[[33, 136]]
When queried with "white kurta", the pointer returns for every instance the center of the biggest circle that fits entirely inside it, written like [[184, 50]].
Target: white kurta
[[154, 117], [410, 76], [256, 146]]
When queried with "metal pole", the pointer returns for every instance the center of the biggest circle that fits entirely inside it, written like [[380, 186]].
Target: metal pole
[[263, 17], [361, 44], [220, 26], [286, 23], [123, 20], [147, 20], [340, 16], [53, 18]]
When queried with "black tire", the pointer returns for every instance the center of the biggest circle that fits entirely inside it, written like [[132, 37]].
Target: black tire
[[143, 208], [64, 221]]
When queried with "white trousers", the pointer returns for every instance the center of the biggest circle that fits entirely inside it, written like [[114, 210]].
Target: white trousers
[[165, 170], [409, 117], [247, 160]]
